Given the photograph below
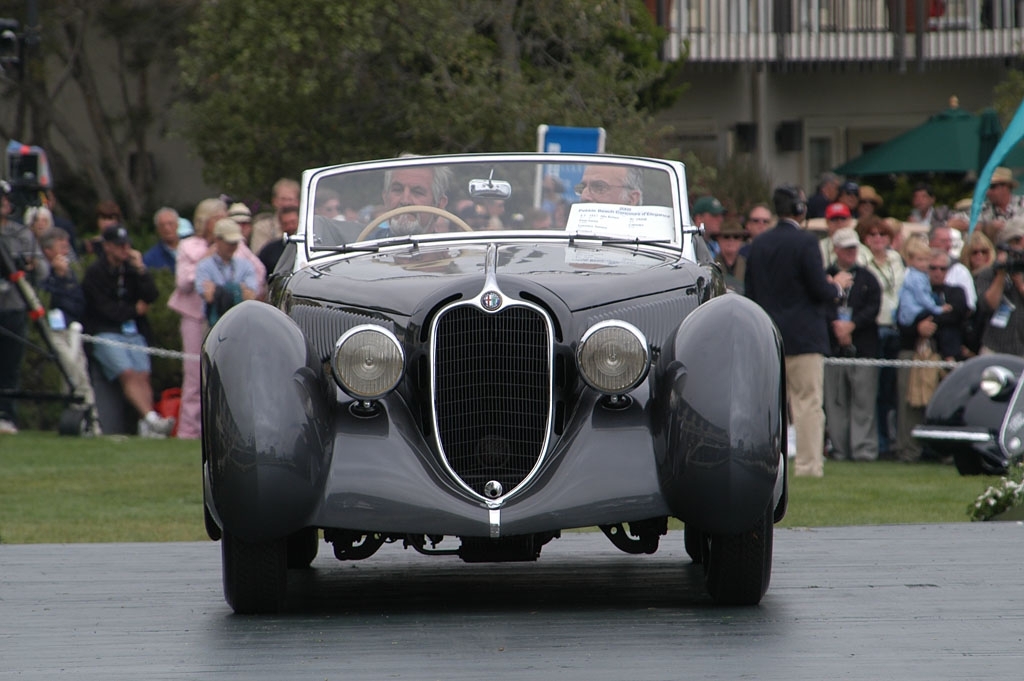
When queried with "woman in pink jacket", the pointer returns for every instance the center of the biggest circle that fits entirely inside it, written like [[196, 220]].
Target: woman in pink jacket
[[187, 302]]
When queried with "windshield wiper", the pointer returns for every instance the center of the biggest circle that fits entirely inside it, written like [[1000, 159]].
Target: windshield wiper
[[369, 248]]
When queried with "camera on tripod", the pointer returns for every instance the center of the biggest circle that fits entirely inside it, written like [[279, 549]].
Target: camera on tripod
[[28, 174]]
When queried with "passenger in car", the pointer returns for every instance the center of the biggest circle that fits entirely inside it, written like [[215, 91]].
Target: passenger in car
[[611, 184]]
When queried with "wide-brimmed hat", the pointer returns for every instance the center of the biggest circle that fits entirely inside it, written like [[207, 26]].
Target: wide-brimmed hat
[[868, 193], [1002, 175], [733, 227]]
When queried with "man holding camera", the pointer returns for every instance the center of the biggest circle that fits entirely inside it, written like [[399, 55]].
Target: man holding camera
[[22, 252], [851, 390], [1001, 294]]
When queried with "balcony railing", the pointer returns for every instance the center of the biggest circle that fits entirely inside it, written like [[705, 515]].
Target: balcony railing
[[899, 31]]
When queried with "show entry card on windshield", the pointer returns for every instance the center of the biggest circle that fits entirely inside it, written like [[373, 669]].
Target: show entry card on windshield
[[605, 221]]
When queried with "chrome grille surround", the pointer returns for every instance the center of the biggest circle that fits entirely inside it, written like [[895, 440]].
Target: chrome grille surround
[[491, 390]]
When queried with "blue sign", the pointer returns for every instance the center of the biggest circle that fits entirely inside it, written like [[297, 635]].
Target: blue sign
[[563, 139], [568, 140]]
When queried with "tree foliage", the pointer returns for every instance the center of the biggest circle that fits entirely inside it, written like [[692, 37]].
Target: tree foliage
[[277, 87], [117, 58], [1009, 94]]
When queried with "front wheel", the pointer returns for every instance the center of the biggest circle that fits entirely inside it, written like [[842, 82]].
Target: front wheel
[[302, 548], [738, 567], [255, 574], [695, 542]]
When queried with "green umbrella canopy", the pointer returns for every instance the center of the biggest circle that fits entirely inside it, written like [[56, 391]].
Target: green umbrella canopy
[[953, 141]]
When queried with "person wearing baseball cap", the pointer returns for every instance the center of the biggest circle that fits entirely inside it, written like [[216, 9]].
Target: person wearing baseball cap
[[225, 278], [837, 217], [709, 211], [118, 291], [240, 213], [849, 193], [851, 391]]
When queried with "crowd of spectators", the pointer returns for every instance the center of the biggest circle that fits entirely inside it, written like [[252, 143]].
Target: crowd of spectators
[[884, 289], [928, 288]]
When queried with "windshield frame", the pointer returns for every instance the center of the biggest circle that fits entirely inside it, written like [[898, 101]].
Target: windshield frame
[[309, 252]]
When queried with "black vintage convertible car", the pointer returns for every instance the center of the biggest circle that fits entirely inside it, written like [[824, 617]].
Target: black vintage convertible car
[[486, 351], [976, 415]]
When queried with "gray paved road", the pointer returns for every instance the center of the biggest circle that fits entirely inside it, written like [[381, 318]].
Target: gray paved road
[[901, 602]]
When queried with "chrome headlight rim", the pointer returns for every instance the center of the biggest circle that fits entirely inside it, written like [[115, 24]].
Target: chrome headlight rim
[[997, 381], [350, 384], [592, 335]]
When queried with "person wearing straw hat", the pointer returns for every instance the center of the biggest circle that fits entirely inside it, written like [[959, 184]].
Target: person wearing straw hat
[[1001, 204], [868, 202]]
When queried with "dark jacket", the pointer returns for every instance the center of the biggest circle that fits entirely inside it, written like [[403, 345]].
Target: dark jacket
[[66, 295], [786, 277], [953, 326], [864, 298], [111, 294]]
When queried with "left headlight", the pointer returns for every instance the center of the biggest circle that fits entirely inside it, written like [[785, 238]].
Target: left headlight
[[613, 357], [367, 362]]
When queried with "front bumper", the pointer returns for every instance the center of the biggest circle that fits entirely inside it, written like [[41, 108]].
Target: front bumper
[[953, 434]]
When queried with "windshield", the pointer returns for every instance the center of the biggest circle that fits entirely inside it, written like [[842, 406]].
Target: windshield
[[627, 199]]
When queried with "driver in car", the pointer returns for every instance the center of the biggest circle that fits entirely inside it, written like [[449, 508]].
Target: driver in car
[[611, 184], [418, 186]]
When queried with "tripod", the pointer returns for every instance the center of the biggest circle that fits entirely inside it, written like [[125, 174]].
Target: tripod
[[77, 417]]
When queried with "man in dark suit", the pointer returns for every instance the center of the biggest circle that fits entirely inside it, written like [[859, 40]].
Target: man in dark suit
[[785, 277]]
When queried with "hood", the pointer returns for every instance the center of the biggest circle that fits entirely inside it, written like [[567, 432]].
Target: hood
[[581, 276]]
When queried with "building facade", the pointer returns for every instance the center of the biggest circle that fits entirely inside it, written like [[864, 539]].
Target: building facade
[[804, 85]]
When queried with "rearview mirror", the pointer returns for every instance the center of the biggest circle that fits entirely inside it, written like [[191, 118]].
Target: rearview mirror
[[490, 188]]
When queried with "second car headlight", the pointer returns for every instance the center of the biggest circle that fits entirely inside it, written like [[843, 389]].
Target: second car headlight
[[613, 357], [997, 381], [367, 362]]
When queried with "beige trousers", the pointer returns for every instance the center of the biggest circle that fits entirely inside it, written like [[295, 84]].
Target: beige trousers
[[805, 381]]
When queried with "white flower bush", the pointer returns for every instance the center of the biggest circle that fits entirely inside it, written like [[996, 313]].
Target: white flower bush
[[998, 498]]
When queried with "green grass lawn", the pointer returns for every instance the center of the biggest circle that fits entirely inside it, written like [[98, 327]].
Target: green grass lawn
[[124, 489], [108, 489]]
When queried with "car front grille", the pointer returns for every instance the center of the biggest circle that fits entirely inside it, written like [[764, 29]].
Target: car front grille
[[492, 393]]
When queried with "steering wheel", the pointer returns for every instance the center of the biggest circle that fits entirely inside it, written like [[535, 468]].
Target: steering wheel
[[402, 210]]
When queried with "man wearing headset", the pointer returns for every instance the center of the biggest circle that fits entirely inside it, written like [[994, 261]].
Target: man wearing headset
[[785, 277]]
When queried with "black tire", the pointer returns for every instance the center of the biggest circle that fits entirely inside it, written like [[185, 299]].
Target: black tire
[[967, 463], [738, 567], [72, 422], [302, 548], [694, 541], [255, 574]]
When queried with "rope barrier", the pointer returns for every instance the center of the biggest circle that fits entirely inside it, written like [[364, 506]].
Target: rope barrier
[[157, 352], [898, 363]]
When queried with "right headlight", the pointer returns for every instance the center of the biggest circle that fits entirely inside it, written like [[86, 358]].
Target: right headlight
[[997, 381], [613, 357], [367, 362]]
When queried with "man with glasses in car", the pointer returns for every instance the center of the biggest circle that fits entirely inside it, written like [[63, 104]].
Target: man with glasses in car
[[611, 184]]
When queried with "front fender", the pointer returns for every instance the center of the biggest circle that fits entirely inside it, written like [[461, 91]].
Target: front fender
[[266, 415], [719, 396]]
